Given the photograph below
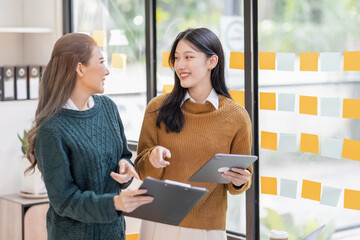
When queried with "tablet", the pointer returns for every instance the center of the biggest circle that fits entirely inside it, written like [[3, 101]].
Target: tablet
[[212, 169]]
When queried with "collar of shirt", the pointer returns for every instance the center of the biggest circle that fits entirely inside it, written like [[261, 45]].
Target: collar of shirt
[[213, 98], [71, 105]]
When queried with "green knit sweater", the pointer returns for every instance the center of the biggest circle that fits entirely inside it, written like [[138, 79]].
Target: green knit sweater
[[76, 151], [206, 131]]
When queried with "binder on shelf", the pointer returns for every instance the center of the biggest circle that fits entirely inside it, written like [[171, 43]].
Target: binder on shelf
[[9, 84], [172, 201], [21, 83], [1, 84], [34, 81]]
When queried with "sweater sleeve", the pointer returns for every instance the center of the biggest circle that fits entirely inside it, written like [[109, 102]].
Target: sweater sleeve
[[241, 144], [148, 140], [65, 196]]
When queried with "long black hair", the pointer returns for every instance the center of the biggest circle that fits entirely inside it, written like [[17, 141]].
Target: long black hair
[[207, 42]]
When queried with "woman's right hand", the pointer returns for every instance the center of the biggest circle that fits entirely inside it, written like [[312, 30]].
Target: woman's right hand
[[158, 155], [129, 200]]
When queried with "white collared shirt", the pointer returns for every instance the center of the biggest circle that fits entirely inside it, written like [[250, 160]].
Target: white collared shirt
[[213, 98], [71, 105]]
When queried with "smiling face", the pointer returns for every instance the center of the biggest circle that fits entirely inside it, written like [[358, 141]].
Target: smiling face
[[92, 76], [192, 66]]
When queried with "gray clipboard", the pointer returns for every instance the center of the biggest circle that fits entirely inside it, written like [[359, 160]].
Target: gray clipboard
[[212, 169], [172, 201]]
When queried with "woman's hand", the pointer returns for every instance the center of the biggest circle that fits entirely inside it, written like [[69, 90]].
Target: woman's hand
[[129, 200], [126, 172], [237, 176], [158, 155]]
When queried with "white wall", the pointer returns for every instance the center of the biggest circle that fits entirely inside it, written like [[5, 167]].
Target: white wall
[[22, 49]]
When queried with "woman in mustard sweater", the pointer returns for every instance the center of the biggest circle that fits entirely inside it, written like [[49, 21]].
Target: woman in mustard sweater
[[182, 130], [78, 143]]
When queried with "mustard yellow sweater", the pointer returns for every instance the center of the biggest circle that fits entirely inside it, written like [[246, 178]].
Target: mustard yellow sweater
[[206, 131]]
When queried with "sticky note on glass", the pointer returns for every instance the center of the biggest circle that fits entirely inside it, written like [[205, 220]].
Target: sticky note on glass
[[99, 37], [351, 149], [330, 61], [269, 185], [165, 59], [118, 60], [288, 188], [330, 196], [285, 61], [351, 199], [269, 140], [287, 142], [308, 105], [331, 147], [267, 101], [309, 61], [238, 96], [236, 60], [311, 190], [168, 88], [352, 61], [286, 102], [351, 108], [330, 107], [309, 143], [267, 60]]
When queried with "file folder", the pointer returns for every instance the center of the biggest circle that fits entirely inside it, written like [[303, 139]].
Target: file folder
[[21, 83], [9, 84], [1, 84], [211, 171], [34, 81], [172, 201]]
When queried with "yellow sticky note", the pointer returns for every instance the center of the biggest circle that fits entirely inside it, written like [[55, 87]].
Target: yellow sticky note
[[99, 37], [236, 60], [133, 236], [309, 61], [118, 60], [238, 96], [311, 190], [165, 59], [352, 61], [267, 101], [351, 149], [308, 105], [269, 185], [269, 140], [168, 88], [267, 60], [351, 108], [309, 143], [351, 199]]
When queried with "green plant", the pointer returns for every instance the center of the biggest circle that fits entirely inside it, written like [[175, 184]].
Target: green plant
[[24, 143]]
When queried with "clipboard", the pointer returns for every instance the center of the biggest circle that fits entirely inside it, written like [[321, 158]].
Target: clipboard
[[172, 201], [219, 163]]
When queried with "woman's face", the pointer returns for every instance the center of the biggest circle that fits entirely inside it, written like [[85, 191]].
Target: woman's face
[[94, 73], [192, 66]]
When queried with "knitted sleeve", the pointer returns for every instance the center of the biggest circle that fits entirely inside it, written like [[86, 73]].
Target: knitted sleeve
[[65, 196], [148, 140], [241, 144]]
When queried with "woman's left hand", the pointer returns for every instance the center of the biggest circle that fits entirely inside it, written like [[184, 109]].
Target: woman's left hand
[[237, 176], [126, 172]]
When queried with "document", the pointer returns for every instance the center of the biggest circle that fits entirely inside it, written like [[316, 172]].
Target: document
[[314, 234]]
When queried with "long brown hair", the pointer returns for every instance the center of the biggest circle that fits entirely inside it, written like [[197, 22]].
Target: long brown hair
[[58, 81]]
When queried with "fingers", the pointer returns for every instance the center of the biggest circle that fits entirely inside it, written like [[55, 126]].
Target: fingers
[[120, 178], [158, 155], [129, 200], [237, 176]]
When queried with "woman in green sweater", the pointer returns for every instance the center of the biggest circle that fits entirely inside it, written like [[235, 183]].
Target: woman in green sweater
[[79, 145], [182, 130]]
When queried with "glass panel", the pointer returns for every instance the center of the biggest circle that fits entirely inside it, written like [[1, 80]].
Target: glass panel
[[225, 19], [119, 28], [308, 168]]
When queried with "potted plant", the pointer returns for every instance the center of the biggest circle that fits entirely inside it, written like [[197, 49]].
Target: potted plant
[[31, 182]]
